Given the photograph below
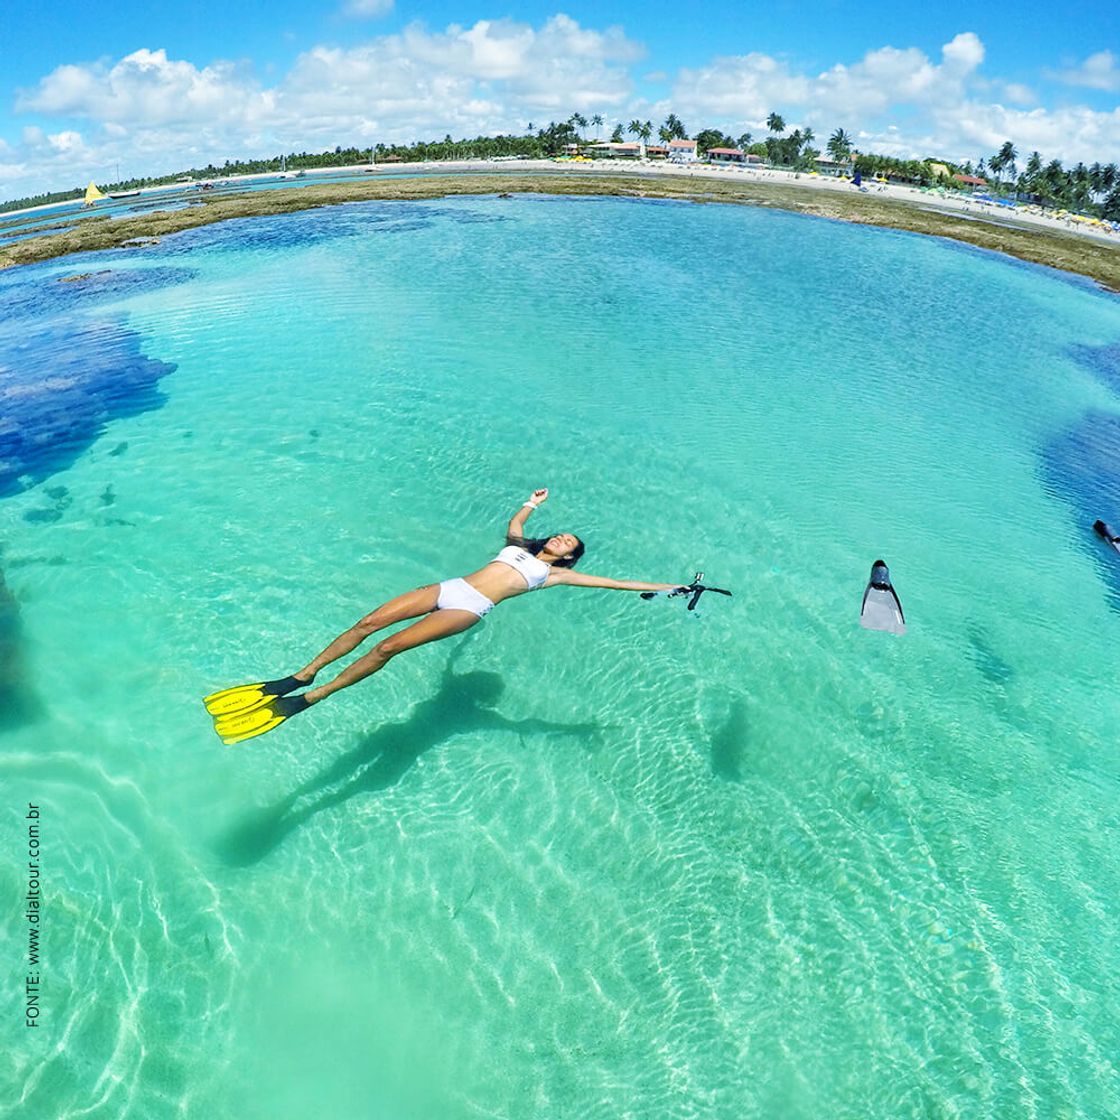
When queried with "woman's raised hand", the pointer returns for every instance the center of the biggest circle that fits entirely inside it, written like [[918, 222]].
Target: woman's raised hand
[[539, 496]]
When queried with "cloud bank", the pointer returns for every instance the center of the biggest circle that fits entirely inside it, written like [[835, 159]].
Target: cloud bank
[[153, 113]]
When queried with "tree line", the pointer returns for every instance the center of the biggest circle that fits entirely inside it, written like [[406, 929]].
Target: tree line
[[1093, 190]]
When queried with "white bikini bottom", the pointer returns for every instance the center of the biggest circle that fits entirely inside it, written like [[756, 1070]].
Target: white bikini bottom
[[458, 595]]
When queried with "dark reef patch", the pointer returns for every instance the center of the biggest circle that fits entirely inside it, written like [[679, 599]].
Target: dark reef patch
[[42, 293], [17, 705], [311, 227], [60, 385], [60, 495], [1104, 361], [1082, 467]]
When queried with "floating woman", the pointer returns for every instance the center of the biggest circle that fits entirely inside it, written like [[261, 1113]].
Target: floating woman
[[443, 609]]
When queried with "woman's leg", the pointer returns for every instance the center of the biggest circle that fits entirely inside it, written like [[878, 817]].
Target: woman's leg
[[439, 624], [409, 605]]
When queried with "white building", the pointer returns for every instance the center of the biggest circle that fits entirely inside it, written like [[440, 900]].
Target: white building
[[682, 151]]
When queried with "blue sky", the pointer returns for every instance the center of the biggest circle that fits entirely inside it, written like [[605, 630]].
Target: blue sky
[[154, 88]]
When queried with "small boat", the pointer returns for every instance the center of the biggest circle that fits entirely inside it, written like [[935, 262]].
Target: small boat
[[124, 194], [92, 194]]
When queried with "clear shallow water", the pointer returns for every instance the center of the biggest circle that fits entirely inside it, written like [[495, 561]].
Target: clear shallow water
[[595, 858]]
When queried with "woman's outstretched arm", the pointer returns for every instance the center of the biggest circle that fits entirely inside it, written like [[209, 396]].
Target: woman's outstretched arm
[[516, 530], [566, 576]]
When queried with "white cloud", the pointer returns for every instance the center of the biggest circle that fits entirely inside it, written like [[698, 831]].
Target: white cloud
[[68, 141], [748, 88], [744, 88], [1098, 71], [146, 89], [153, 114], [1019, 94], [963, 53], [1071, 133], [368, 9], [940, 102]]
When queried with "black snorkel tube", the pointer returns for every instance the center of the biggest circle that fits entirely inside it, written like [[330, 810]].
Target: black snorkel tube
[[694, 590]]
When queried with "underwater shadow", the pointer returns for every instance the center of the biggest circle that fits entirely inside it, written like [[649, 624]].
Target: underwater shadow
[[728, 743], [18, 705], [993, 668], [464, 703]]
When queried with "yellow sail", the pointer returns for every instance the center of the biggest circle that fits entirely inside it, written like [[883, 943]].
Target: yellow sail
[[92, 193]]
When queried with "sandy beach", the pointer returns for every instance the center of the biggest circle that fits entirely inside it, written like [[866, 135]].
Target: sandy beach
[[1056, 241]]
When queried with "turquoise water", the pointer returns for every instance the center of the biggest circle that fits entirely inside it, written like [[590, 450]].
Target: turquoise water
[[597, 857]]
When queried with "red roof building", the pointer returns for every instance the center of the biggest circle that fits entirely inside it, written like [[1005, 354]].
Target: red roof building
[[682, 151]]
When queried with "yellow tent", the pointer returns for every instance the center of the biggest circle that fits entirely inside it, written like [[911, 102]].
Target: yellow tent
[[92, 193]]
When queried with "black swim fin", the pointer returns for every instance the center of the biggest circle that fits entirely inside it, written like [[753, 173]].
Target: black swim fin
[[694, 590], [881, 609], [1104, 530]]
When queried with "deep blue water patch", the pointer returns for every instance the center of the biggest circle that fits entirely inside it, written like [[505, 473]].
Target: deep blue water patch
[[1082, 467], [59, 387], [1104, 361], [304, 228], [36, 293]]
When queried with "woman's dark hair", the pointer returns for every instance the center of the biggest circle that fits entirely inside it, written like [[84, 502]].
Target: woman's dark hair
[[535, 544]]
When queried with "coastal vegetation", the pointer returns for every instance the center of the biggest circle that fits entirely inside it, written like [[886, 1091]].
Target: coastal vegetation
[[1092, 190]]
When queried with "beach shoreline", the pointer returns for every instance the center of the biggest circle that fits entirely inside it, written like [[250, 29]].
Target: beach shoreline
[[1038, 238]]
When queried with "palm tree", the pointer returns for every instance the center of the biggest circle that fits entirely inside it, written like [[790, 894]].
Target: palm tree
[[1054, 179], [840, 145], [634, 127], [1095, 177], [1082, 191], [1004, 159], [1028, 181], [597, 121], [791, 147], [674, 127], [775, 123], [744, 141]]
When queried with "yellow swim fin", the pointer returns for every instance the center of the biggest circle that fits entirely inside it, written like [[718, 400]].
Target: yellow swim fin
[[266, 716], [244, 697]]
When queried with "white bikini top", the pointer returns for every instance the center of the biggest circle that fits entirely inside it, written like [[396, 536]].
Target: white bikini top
[[532, 570]]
